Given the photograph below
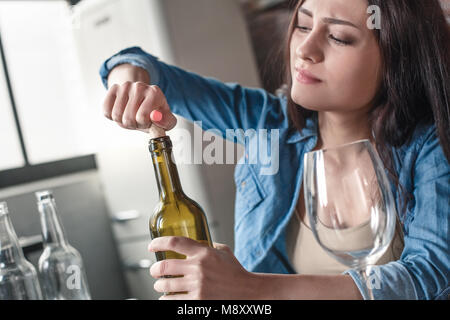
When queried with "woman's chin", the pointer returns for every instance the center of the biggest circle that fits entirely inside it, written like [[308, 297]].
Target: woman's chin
[[310, 104]]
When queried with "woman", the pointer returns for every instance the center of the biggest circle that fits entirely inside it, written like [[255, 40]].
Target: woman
[[345, 82]]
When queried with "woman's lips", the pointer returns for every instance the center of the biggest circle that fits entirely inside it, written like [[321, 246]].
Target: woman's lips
[[306, 77]]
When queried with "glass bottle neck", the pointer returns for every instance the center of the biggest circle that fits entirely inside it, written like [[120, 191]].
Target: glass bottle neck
[[10, 250], [166, 171], [52, 231]]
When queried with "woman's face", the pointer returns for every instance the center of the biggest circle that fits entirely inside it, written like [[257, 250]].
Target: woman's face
[[331, 42]]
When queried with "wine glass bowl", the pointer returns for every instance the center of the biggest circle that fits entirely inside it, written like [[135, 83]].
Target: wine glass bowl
[[349, 203]]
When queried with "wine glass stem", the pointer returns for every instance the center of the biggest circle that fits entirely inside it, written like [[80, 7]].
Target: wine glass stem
[[364, 275]]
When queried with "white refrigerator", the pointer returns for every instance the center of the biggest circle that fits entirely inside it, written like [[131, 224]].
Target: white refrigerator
[[208, 37]]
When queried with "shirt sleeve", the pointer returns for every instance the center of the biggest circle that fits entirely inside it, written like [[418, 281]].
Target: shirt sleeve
[[423, 269], [215, 104]]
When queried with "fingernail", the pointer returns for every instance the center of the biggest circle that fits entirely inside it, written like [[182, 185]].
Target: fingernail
[[156, 115]]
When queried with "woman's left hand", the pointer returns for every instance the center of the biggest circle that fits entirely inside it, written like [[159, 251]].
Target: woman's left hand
[[208, 273]]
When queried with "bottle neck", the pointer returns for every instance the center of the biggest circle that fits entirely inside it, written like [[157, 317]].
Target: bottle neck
[[166, 171], [10, 250], [52, 231]]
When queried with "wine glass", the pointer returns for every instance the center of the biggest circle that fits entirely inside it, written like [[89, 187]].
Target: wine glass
[[350, 206]]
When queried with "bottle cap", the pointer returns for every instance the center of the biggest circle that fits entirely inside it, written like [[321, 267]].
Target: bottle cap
[[3, 208], [43, 195]]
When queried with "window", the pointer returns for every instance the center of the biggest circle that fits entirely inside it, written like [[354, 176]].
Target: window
[[44, 119], [11, 155]]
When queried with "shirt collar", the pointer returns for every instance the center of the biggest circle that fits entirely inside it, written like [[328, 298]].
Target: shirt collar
[[309, 130]]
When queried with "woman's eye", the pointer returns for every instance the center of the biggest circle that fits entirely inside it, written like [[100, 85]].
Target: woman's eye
[[339, 41], [303, 29]]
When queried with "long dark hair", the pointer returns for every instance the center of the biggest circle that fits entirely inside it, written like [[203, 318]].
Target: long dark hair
[[414, 41]]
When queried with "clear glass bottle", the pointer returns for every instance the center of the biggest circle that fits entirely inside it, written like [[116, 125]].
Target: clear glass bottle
[[60, 266], [18, 277]]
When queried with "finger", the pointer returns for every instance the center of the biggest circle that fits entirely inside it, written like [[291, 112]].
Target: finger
[[108, 103], [137, 95], [168, 267], [155, 130], [172, 285], [143, 120], [154, 99], [183, 245], [163, 119], [168, 121], [121, 102]]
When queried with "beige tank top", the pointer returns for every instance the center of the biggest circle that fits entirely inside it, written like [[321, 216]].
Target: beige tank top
[[308, 257]]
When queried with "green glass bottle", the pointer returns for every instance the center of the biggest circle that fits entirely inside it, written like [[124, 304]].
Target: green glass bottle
[[175, 214]]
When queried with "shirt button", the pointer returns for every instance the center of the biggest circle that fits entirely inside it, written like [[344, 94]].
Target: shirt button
[[243, 184]]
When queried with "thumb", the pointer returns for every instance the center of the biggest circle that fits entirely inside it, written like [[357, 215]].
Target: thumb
[[163, 119], [223, 247]]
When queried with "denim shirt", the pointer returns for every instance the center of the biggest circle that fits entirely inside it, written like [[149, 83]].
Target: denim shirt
[[265, 202]]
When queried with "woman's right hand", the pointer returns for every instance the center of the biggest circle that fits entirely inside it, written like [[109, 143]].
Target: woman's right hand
[[130, 103]]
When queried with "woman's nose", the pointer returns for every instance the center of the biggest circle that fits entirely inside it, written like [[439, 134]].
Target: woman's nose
[[309, 48]]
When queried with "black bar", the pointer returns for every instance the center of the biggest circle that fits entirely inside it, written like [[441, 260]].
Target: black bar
[[219, 309], [29, 173]]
